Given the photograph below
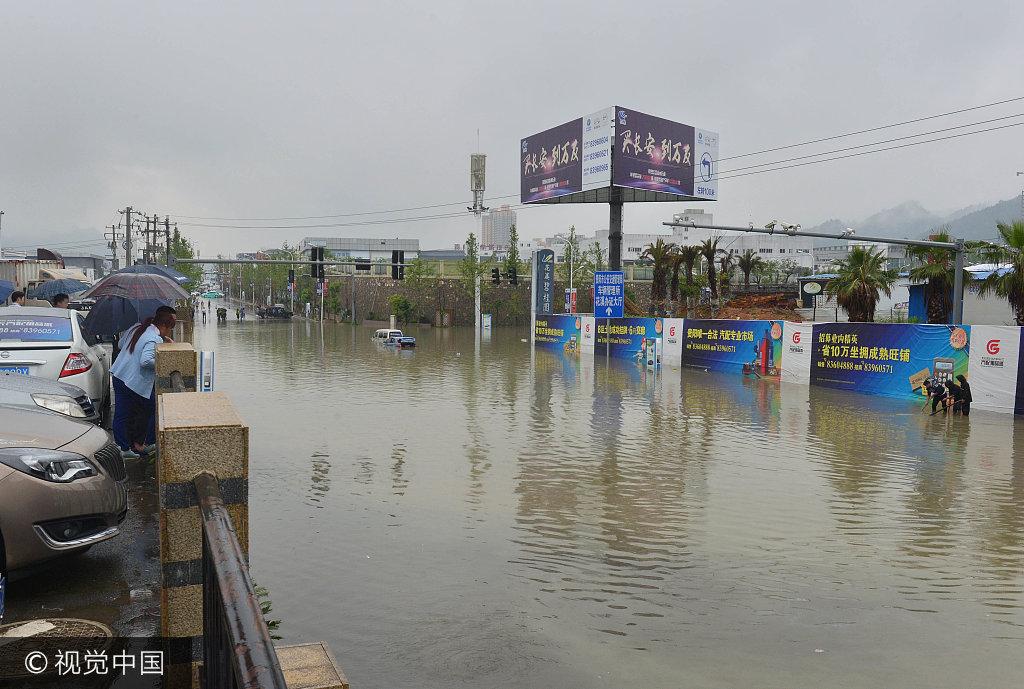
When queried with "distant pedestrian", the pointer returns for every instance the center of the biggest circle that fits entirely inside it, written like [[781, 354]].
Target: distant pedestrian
[[18, 298], [61, 301], [204, 316], [243, 313]]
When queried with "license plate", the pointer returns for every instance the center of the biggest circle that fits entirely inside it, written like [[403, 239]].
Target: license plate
[[14, 369]]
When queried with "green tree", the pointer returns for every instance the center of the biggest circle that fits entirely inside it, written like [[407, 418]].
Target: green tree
[[709, 250], [571, 255], [512, 260], [471, 267], [660, 254], [401, 307], [181, 247], [747, 262], [861, 276], [937, 269], [596, 255], [1008, 281]]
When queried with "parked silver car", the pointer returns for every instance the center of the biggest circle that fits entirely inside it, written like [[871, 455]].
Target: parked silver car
[[62, 488], [32, 392], [52, 343]]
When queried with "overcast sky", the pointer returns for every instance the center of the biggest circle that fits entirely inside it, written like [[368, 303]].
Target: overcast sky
[[262, 109]]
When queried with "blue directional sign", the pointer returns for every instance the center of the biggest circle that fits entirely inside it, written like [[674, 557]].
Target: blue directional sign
[[609, 293]]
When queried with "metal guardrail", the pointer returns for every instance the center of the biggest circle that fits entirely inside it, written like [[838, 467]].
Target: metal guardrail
[[237, 648]]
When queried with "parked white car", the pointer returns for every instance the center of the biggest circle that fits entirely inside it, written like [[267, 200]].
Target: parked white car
[[51, 343]]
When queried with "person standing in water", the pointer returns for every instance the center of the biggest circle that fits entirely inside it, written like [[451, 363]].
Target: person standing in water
[[966, 399]]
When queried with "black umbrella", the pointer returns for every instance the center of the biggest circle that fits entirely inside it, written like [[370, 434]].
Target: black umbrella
[[51, 288], [137, 286], [111, 316]]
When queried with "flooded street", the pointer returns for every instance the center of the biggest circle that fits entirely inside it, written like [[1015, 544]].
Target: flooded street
[[443, 519]]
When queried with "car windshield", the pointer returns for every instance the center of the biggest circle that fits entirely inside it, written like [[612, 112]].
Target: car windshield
[[35, 328]]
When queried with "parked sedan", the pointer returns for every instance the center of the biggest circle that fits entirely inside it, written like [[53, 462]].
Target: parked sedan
[[33, 392], [52, 343], [62, 487]]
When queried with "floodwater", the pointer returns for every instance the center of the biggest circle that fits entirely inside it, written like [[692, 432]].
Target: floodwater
[[447, 519]]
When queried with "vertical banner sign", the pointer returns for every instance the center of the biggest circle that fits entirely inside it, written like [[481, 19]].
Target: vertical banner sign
[[609, 293], [995, 368], [797, 342], [672, 346], [888, 359], [588, 333], [549, 163], [652, 153], [752, 348], [598, 137], [561, 332], [545, 281], [705, 164]]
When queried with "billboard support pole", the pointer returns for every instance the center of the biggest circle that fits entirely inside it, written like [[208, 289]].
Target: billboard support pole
[[615, 233]]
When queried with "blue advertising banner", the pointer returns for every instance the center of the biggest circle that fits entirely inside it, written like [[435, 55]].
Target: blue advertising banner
[[627, 338], [545, 297], [652, 153], [887, 359], [749, 347], [558, 332], [550, 163], [609, 293]]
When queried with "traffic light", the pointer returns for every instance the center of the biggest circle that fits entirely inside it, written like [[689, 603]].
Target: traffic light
[[513, 277], [397, 269], [316, 266], [495, 276]]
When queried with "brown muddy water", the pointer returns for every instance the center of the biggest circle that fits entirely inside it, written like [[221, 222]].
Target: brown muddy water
[[443, 518]]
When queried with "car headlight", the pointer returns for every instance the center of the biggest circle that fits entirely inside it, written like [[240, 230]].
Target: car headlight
[[50, 465], [61, 404]]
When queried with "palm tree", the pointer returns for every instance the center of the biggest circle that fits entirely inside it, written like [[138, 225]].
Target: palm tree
[[860, 278], [660, 254], [709, 250], [726, 266], [936, 268], [748, 262], [675, 265], [1007, 282]]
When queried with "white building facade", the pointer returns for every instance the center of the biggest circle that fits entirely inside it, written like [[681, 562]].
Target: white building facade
[[496, 225]]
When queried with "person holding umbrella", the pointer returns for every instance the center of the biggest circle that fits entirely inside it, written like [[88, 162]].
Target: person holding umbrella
[[61, 301], [134, 373]]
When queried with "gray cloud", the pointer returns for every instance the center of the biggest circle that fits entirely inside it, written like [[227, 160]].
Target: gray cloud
[[264, 109]]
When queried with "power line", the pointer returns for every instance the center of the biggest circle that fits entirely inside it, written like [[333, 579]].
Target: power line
[[718, 176], [742, 155]]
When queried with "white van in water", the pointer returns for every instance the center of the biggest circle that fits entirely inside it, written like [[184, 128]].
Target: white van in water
[[393, 338]]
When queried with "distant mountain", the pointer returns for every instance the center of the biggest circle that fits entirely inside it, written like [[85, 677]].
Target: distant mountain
[[910, 220], [981, 224]]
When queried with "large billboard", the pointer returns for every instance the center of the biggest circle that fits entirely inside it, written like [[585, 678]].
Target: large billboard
[[550, 163], [652, 153], [749, 347], [623, 148], [627, 338], [560, 332], [882, 359]]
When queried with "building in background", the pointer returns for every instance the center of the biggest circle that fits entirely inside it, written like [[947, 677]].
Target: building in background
[[93, 265], [495, 228], [373, 249], [826, 256]]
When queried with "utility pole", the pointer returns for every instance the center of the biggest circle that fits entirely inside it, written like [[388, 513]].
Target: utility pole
[[114, 236], [1019, 173], [477, 183], [167, 240], [128, 237]]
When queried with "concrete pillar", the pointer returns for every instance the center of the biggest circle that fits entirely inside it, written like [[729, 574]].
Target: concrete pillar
[[176, 356], [196, 432]]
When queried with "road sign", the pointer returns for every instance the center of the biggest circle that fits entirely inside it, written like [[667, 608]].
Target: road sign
[[609, 293], [812, 288]]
